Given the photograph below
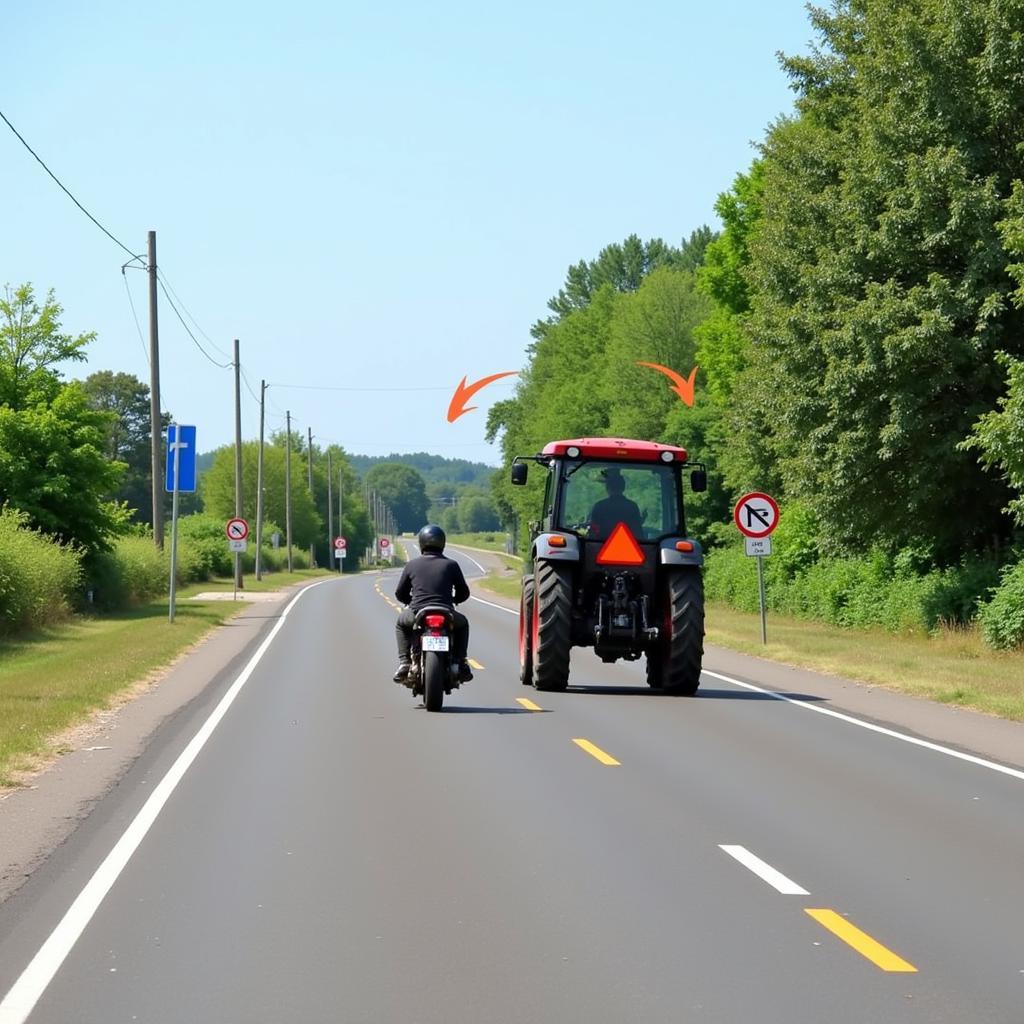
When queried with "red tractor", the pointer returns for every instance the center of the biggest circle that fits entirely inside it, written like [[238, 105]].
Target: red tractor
[[611, 566]]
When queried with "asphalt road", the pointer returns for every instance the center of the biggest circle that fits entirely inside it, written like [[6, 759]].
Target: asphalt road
[[323, 849]]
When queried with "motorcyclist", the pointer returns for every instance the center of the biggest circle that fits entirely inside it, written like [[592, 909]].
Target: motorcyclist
[[431, 579]]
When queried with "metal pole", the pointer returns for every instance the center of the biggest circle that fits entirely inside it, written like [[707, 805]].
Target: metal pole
[[288, 487], [309, 468], [760, 589], [155, 424], [176, 445], [330, 513], [341, 522], [259, 488], [238, 460]]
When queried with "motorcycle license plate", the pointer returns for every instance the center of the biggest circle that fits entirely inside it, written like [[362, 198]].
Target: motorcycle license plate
[[434, 643]]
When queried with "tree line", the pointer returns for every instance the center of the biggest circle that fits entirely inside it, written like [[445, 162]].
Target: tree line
[[857, 323]]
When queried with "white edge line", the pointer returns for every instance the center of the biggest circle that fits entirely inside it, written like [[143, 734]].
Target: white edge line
[[776, 879], [33, 981], [462, 552], [490, 604], [880, 729]]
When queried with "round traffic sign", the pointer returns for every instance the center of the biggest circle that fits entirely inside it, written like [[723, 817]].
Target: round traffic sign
[[756, 514], [237, 529], [340, 543], [384, 543]]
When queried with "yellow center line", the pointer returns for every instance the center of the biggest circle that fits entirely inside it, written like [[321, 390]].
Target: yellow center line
[[595, 751], [475, 664], [862, 942], [528, 704]]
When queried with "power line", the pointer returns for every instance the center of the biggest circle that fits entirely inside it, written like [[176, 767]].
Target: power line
[[66, 192], [163, 277], [195, 340], [142, 341]]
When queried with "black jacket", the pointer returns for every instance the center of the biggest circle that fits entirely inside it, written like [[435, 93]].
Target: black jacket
[[431, 579]]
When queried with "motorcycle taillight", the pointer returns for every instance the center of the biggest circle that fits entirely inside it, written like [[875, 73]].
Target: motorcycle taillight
[[434, 621]]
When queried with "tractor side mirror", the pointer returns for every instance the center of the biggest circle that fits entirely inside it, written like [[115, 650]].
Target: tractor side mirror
[[699, 480], [519, 473]]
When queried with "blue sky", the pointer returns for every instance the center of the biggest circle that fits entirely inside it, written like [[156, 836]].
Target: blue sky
[[367, 197]]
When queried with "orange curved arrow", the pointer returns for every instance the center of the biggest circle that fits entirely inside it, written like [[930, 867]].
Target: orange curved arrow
[[683, 388], [463, 394]]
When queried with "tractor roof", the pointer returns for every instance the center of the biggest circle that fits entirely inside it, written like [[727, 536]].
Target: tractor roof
[[616, 448]]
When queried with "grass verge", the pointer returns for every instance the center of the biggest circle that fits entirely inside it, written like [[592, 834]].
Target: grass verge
[[952, 667], [493, 541], [55, 678], [507, 581], [270, 581]]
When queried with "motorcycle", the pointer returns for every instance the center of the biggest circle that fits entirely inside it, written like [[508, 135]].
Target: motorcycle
[[433, 672]]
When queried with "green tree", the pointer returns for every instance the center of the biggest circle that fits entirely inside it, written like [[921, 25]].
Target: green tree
[[879, 284], [125, 399], [52, 461], [403, 489]]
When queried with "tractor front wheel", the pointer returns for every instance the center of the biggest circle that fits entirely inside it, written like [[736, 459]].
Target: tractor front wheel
[[551, 630], [674, 663]]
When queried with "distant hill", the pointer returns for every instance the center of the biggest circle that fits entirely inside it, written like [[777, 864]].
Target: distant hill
[[435, 468]]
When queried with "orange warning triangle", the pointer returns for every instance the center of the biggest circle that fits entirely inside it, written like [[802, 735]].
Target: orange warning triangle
[[621, 548]]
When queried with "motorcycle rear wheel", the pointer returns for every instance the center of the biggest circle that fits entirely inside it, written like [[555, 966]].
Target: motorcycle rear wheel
[[434, 672]]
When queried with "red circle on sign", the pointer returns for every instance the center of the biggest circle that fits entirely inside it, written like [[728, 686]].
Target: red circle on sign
[[753, 518], [384, 542], [237, 529], [340, 543]]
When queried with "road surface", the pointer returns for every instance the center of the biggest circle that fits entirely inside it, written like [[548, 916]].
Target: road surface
[[303, 842]]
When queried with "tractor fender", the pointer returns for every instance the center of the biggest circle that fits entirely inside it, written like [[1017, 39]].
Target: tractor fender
[[567, 552], [671, 555]]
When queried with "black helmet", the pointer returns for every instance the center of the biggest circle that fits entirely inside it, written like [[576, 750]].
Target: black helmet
[[431, 538]]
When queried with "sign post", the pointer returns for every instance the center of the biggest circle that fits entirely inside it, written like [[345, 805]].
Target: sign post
[[340, 550], [756, 515], [385, 548], [237, 531], [181, 476]]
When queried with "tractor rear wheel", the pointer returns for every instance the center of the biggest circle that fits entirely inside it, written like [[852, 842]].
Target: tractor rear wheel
[[551, 630], [673, 664], [526, 632]]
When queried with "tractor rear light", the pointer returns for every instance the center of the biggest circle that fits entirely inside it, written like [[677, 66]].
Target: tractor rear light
[[434, 621], [667, 456], [684, 545], [556, 542], [572, 451]]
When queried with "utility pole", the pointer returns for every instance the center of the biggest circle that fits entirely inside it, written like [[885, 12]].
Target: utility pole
[[330, 513], [259, 487], [309, 467], [288, 487], [155, 423], [341, 522], [238, 459]]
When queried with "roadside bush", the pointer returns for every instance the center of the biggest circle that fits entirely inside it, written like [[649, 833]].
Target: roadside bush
[[1002, 617], [132, 572], [898, 593], [202, 536], [38, 576]]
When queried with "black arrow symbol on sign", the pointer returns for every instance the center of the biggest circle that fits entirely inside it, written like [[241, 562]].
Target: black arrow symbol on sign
[[758, 513]]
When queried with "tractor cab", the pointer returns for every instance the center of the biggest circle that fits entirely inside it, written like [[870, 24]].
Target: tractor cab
[[609, 557]]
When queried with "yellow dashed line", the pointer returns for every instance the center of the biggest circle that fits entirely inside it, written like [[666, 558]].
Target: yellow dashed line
[[595, 751], [528, 704], [874, 951]]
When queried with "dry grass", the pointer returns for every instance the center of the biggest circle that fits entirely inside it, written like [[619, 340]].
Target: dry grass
[[954, 666], [56, 678]]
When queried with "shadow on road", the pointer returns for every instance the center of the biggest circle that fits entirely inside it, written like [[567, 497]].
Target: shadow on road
[[705, 693], [461, 709]]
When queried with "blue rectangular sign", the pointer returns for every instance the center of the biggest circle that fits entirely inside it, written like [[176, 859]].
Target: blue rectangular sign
[[186, 457]]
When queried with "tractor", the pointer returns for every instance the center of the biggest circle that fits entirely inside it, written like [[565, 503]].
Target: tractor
[[611, 566]]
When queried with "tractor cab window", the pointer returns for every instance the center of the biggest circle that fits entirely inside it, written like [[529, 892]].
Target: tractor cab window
[[597, 496]]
